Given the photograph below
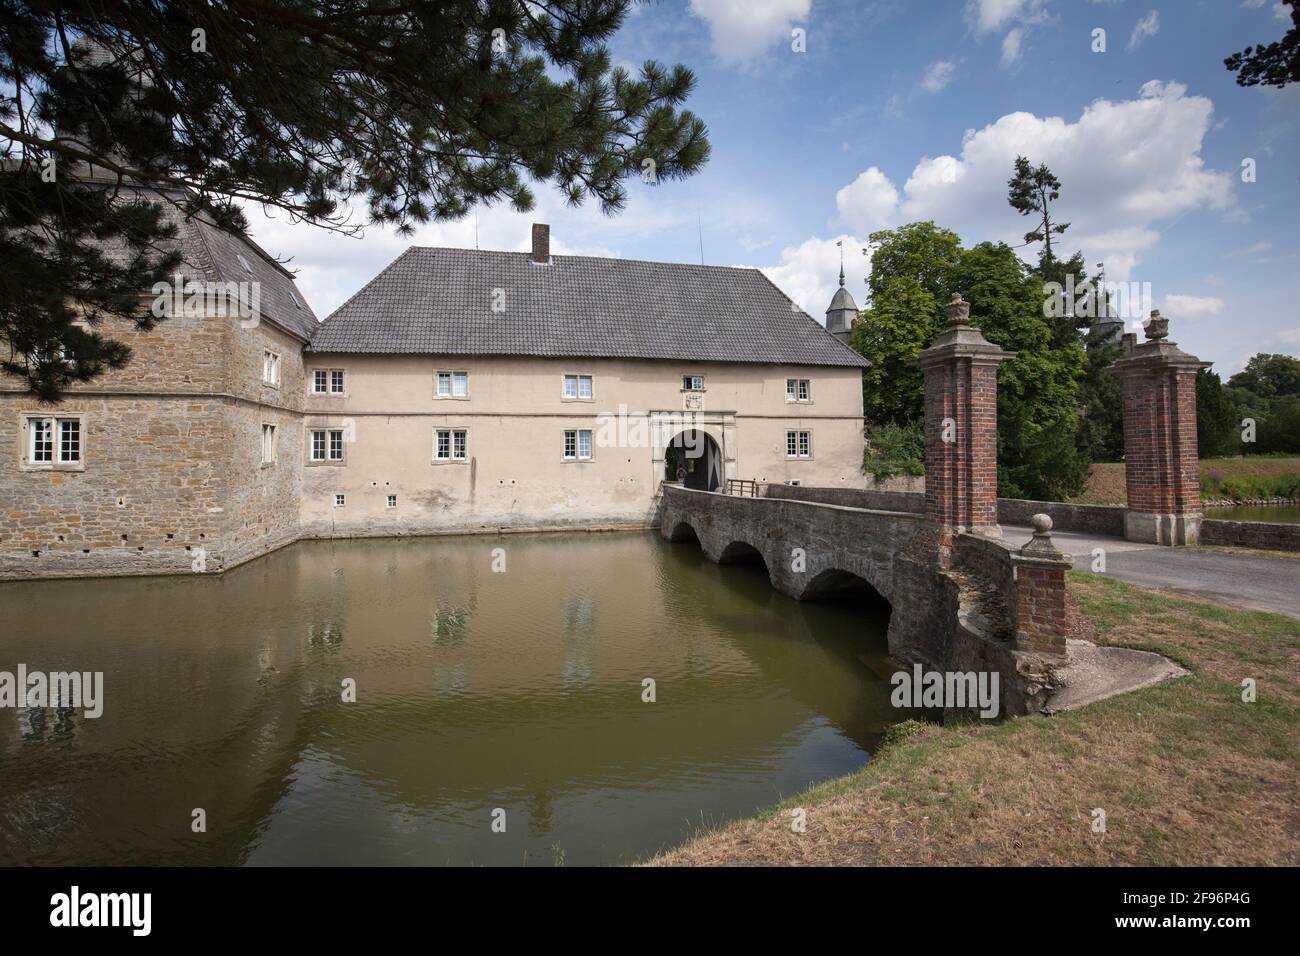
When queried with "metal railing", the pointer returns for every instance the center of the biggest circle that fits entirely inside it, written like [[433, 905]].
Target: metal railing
[[743, 487]]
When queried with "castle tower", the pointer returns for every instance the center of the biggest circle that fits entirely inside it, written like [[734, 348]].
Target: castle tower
[[843, 312]]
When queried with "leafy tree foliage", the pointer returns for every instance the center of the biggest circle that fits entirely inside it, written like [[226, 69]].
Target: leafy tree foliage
[[1270, 64], [1269, 375], [1216, 417], [916, 268], [1267, 391], [1032, 190], [411, 111]]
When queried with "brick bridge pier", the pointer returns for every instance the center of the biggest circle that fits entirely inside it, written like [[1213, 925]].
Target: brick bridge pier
[[962, 599]]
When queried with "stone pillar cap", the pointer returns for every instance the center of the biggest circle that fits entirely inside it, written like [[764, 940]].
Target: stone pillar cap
[[960, 340], [1156, 351]]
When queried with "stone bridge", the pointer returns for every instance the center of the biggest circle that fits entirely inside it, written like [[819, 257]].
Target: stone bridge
[[961, 598], [993, 609]]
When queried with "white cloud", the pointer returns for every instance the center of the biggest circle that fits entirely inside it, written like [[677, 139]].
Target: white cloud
[[989, 15], [1290, 336], [1148, 26], [743, 30], [1282, 11], [938, 75], [1011, 46], [809, 273], [867, 203], [1152, 171], [1191, 306]]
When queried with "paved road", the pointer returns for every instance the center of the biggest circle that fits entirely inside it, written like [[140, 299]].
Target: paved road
[[1249, 581]]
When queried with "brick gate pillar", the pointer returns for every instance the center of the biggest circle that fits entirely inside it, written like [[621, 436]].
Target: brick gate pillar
[[961, 427], [1161, 471]]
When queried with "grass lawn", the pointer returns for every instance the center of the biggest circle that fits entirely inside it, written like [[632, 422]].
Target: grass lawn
[[1106, 480], [1186, 772]]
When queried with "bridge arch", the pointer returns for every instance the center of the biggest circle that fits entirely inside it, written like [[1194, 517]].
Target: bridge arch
[[741, 552], [684, 531]]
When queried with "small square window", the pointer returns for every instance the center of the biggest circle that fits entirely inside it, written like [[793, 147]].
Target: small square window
[[577, 444], [692, 383], [451, 444], [339, 500], [392, 501], [798, 390], [453, 385], [578, 387]]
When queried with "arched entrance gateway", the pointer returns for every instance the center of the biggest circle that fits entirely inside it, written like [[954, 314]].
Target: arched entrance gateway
[[694, 459]]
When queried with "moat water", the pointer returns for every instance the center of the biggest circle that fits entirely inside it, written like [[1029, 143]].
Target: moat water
[[476, 692]]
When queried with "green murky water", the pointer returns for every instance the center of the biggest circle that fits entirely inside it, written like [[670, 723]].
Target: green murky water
[[1282, 514], [475, 691]]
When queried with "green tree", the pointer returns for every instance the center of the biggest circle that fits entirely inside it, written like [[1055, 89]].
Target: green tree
[[910, 279], [1038, 395], [1031, 191], [1217, 423], [408, 111], [1270, 64], [916, 268], [1269, 375]]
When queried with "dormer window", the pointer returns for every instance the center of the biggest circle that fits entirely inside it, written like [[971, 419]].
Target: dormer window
[[244, 262], [294, 299]]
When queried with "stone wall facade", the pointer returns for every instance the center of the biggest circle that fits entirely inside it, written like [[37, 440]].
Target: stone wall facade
[[170, 478], [1264, 535]]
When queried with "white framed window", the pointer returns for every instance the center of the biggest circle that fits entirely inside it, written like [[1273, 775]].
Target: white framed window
[[339, 501], [326, 444], [450, 444], [54, 441], [327, 381], [577, 444], [268, 444], [798, 390], [270, 368], [798, 444], [392, 501], [453, 384], [579, 388], [692, 383]]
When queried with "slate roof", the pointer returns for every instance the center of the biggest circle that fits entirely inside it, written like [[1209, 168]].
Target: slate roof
[[439, 301], [210, 253]]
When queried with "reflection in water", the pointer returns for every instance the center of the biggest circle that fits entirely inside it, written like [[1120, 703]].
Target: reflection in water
[[475, 691]]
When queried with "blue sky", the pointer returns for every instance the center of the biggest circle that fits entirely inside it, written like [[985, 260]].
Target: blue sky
[[898, 111]]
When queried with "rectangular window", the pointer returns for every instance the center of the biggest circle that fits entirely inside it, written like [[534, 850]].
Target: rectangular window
[[327, 381], [578, 387], [42, 441], [805, 390], [270, 368], [338, 501], [577, 444], [692, 383], [54, 441], [392, 501], [798, 390], [268, 444], [798, 444], [453, 384], [336, 444], [318, 444], [451, 444]]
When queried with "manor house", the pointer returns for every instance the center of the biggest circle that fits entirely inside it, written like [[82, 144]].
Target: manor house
[[459, 391]]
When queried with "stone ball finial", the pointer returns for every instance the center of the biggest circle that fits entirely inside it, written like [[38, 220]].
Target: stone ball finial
[[1157, 327], [957, 310], [1042, 523]]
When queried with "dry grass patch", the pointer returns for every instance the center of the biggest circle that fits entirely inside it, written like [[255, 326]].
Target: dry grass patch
[[1186, 772], [1106, 479]]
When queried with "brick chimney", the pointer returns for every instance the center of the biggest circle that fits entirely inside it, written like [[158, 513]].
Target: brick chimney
[[541, 243]]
